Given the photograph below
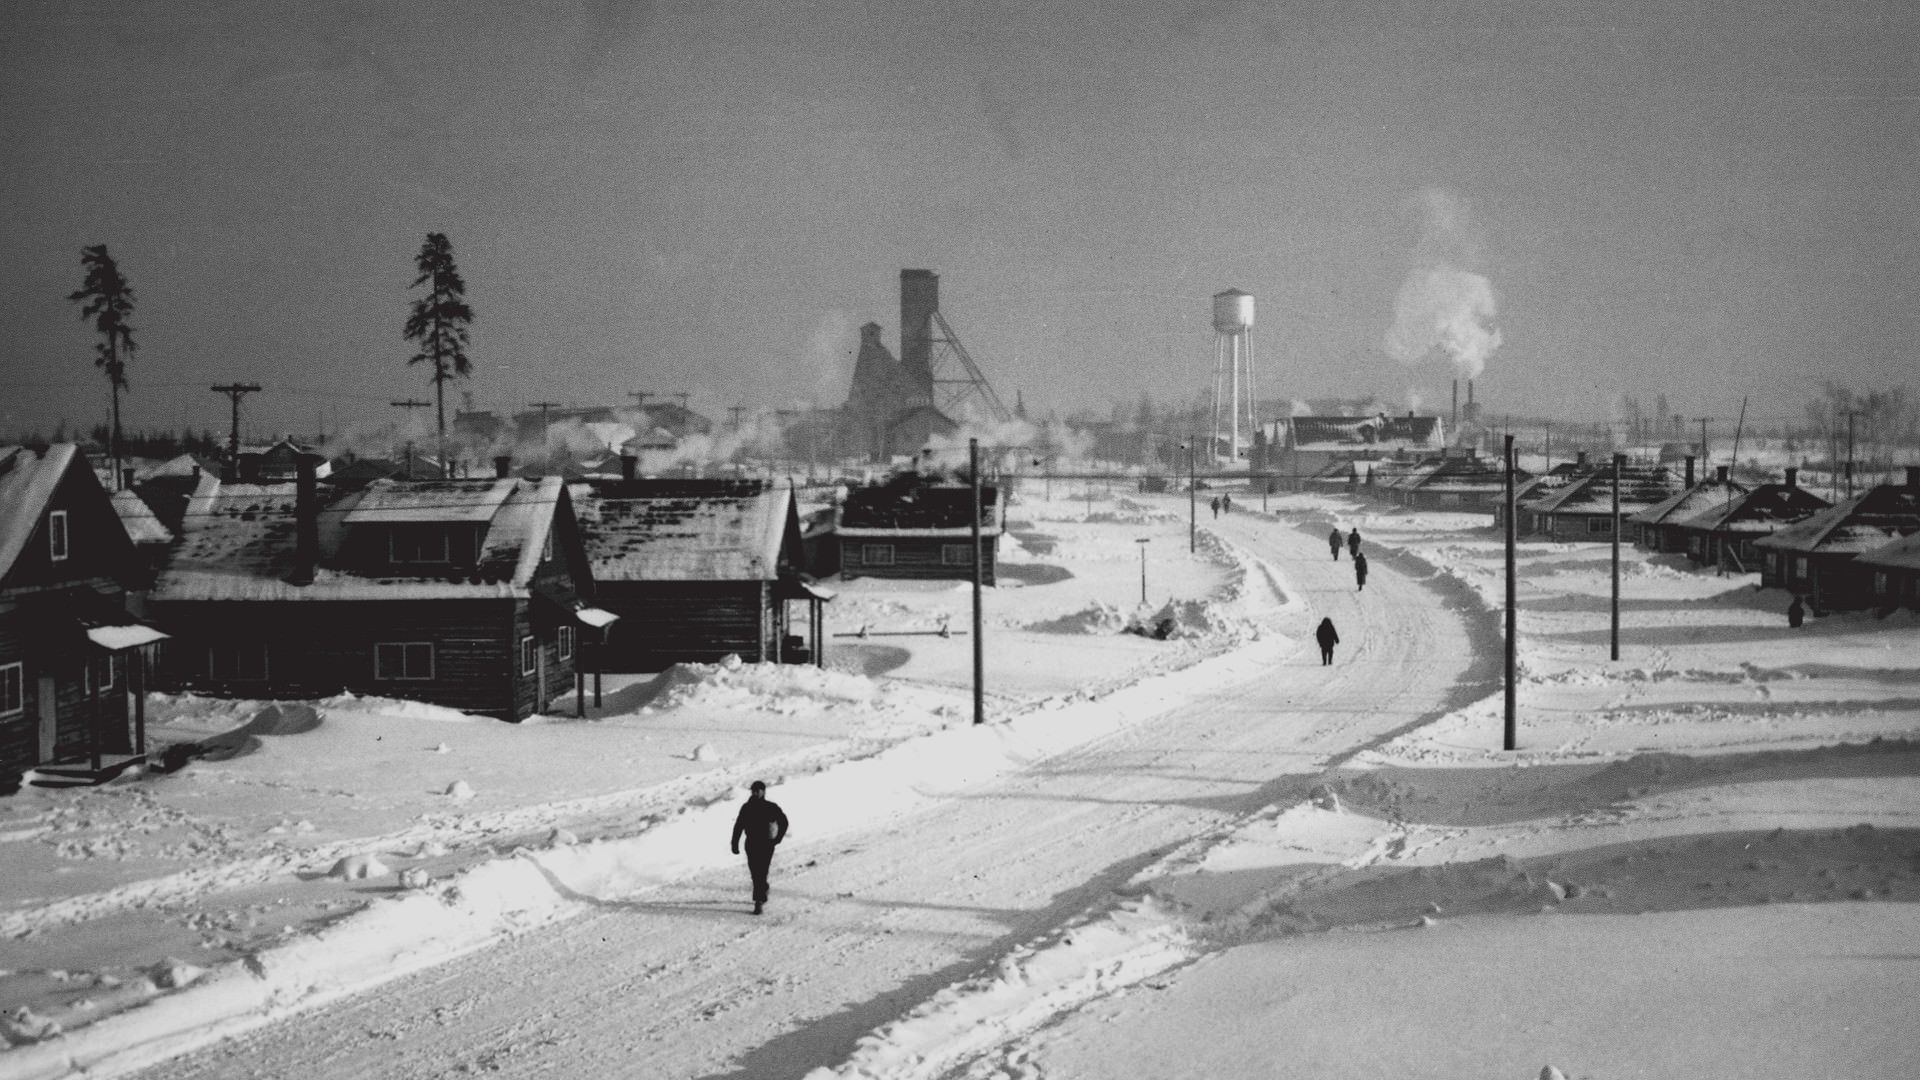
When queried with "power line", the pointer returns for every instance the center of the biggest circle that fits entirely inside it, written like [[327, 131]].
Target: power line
[[235, 391]]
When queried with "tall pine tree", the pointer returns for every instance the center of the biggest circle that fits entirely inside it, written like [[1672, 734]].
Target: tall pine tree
[[107, 299], [439, 323]]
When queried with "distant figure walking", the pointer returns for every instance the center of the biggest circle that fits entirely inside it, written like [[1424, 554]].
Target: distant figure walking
[[1360, 571], [1353, 542], [1333, 542], [1328, 638], [1796, 613], [1226, 504], [1215, 503], [764, 826]]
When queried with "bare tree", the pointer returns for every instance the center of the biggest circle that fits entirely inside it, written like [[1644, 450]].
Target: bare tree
[[439, 323], [107, 299]]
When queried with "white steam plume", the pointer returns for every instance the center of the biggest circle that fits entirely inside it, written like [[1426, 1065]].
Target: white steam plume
[[1442, 307]]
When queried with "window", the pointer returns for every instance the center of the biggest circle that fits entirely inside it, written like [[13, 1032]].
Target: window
[[409, 660], [1880, 582], [12, 689], [529, 655], [241, 661], [1599, 525], [102, 671], [57, 534], [546, 547], [566, 642], [1800, 568], [876, 554], [956, 554], [419, 544]]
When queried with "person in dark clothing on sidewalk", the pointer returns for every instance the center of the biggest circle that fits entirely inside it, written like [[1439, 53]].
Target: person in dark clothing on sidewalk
[[764, 826], [1333, 542], [1360, 571], [1353, 542], [1796, 613], [1215, 503], [1226, 504], [1328, 638]]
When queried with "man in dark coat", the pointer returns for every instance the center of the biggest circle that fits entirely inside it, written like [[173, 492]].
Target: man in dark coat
[[764, 826], [1333, 542], [1215, 503], [1328, 638], [1360, 571], [1353, 541], [1226, 503], [1796, 613]]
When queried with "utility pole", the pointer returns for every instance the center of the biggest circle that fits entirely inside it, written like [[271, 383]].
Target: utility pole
[[739, 410], [1703, 442], [1511, 721], [235, 391], [1851, 413], [1142, 541], [1193, 505], [979, 656], [1618, 459], [411, 404], [546, 430]]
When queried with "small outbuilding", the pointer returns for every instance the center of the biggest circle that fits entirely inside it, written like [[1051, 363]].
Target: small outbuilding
[[917, 526]]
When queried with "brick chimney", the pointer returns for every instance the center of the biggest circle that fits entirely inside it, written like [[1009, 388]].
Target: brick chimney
[[502, 466], [1689, 470], [1579, 459], [1913, 476], [1793, 476], [629, 466], [1720, 473], [306, 518]]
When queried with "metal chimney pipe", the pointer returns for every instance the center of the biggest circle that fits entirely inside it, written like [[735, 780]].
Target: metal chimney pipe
[[1793, 476], [1913, 476], [1689, 470], [306, 518], [502, 466], [1720, 473]]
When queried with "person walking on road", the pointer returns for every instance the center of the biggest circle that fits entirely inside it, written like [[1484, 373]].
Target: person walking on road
[[1360, 571], [1226, 504], [1353, 542], [1328, 638], [1333, 542], [1215, 503], [764, 825]]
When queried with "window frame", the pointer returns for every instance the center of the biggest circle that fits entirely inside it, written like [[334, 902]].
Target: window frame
[[415, 534], [59, 536], [18, 668], [380, 674], [529, 654], [104, 665], [965, 552], [564, 642], [1599, 525], [872, 554]]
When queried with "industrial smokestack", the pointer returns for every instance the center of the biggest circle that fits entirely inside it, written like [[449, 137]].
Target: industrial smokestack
[[1689, 470], [306, 518], [502, 466], [919, 300]]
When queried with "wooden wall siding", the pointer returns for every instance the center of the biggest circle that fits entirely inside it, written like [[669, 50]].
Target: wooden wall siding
[[98, 550], [319, 648], [668, 622], [551, 676], [24, 641], [916, 557]]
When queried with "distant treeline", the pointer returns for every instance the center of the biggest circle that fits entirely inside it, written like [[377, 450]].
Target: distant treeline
[[145, 444]]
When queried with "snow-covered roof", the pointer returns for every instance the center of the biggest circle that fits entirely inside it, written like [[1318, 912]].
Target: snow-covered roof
[[685, 530], [1708, 495], [909, 504], [431, 501], [1767, 508], [238, 542], [1901, 554], [1368, 432], [1640, 488], [1861, 524], [142, 525], [28, 480]]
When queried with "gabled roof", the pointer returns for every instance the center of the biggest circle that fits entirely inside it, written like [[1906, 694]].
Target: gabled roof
[[1708, 495], [238, 541], [687, 530], [1901, 554], [142, 524], [1767, 508], [1362, 432], [911, 505], [1467, 473], [28, 479], [447, 502], [1860, 524], [1640, 487]]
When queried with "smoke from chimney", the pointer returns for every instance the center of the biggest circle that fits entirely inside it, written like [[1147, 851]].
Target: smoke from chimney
[[1443, 308]]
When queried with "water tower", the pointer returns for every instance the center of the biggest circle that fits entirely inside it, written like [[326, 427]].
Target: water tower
[[1232, 370]]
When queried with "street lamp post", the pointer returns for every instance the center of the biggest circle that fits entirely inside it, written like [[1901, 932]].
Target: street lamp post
[[1142, 541]]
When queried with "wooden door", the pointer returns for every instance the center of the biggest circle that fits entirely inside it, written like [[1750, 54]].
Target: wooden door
[[49, 718]]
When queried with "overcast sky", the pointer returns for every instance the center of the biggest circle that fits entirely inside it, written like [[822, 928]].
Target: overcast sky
[[1696, 199]]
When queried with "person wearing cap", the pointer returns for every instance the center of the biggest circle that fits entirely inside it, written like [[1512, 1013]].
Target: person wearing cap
[[764, 825]]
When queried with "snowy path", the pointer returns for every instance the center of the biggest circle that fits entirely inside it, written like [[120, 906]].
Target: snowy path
[[679, 982]]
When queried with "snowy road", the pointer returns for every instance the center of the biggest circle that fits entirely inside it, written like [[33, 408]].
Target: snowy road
[[681, 982]]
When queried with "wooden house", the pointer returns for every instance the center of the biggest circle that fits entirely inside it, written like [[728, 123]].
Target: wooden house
[[1893, 572], [73, 662], [1725, 533], [1462, 480], [1658, 527], [1818, 557], [916, 526], [1584, 508], [1303, 446], [1535, 492], [463, 593], [697, 570]]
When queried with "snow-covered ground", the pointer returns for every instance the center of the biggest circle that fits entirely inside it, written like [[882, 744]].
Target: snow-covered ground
[[1685, 869]]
